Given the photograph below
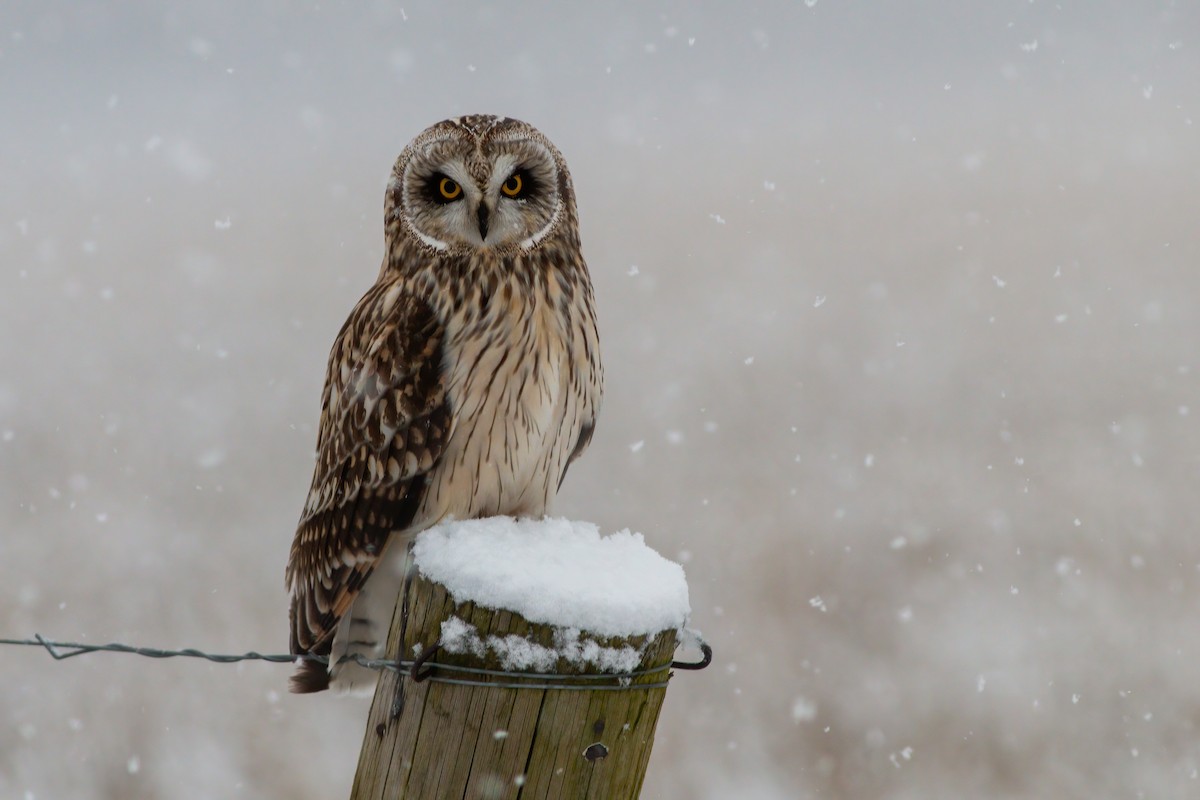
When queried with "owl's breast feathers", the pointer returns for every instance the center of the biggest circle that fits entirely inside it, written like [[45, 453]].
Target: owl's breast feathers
[[523, 378], [385, 421]]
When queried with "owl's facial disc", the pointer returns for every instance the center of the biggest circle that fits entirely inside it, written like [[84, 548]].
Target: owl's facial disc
[[501, 194]]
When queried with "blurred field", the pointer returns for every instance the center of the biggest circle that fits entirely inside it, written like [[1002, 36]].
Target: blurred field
[[902, 306]]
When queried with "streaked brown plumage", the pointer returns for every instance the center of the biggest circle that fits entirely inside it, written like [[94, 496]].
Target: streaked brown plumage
[[462, 385]]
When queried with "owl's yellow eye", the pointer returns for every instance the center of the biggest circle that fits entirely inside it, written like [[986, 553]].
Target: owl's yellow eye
[[449, 189], [513, 186]]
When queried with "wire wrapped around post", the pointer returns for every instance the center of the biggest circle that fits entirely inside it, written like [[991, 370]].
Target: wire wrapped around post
[[549, 681]]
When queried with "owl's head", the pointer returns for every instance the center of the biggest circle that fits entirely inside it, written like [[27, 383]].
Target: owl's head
[[479, 182]]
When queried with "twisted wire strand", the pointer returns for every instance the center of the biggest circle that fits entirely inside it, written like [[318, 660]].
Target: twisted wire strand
[[515, 680]]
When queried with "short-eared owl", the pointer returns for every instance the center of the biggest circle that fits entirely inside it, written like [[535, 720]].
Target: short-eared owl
[[462, 385]]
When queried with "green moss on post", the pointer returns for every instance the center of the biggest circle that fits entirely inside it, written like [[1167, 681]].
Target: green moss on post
[[481, 742]]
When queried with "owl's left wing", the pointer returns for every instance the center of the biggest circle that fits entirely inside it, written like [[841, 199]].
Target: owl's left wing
[[384, 423]]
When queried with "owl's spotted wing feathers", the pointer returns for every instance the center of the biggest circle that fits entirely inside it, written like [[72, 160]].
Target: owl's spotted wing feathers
[[384, 423]]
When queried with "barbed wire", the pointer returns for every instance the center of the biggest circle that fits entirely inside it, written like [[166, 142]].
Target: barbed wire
[[420, 669], [56, 649]]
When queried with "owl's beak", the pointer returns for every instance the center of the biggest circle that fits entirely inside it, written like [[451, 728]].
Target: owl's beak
[[481, 214]]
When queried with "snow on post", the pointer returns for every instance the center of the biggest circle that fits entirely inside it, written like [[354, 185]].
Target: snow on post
[[539, 605]]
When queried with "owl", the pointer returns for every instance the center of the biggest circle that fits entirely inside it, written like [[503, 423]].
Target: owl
[[463, 384]]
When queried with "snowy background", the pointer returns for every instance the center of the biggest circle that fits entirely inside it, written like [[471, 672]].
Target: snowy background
[[900, 310]]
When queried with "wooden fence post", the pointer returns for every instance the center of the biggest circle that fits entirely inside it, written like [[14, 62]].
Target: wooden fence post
[[480, 741]]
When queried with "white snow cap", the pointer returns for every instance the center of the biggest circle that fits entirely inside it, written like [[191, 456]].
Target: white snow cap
[[557, 572]]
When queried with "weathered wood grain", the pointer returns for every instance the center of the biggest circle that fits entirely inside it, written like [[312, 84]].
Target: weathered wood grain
[[483, 742]]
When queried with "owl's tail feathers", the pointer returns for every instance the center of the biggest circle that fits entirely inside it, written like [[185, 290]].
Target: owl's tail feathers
[[310, 676]]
